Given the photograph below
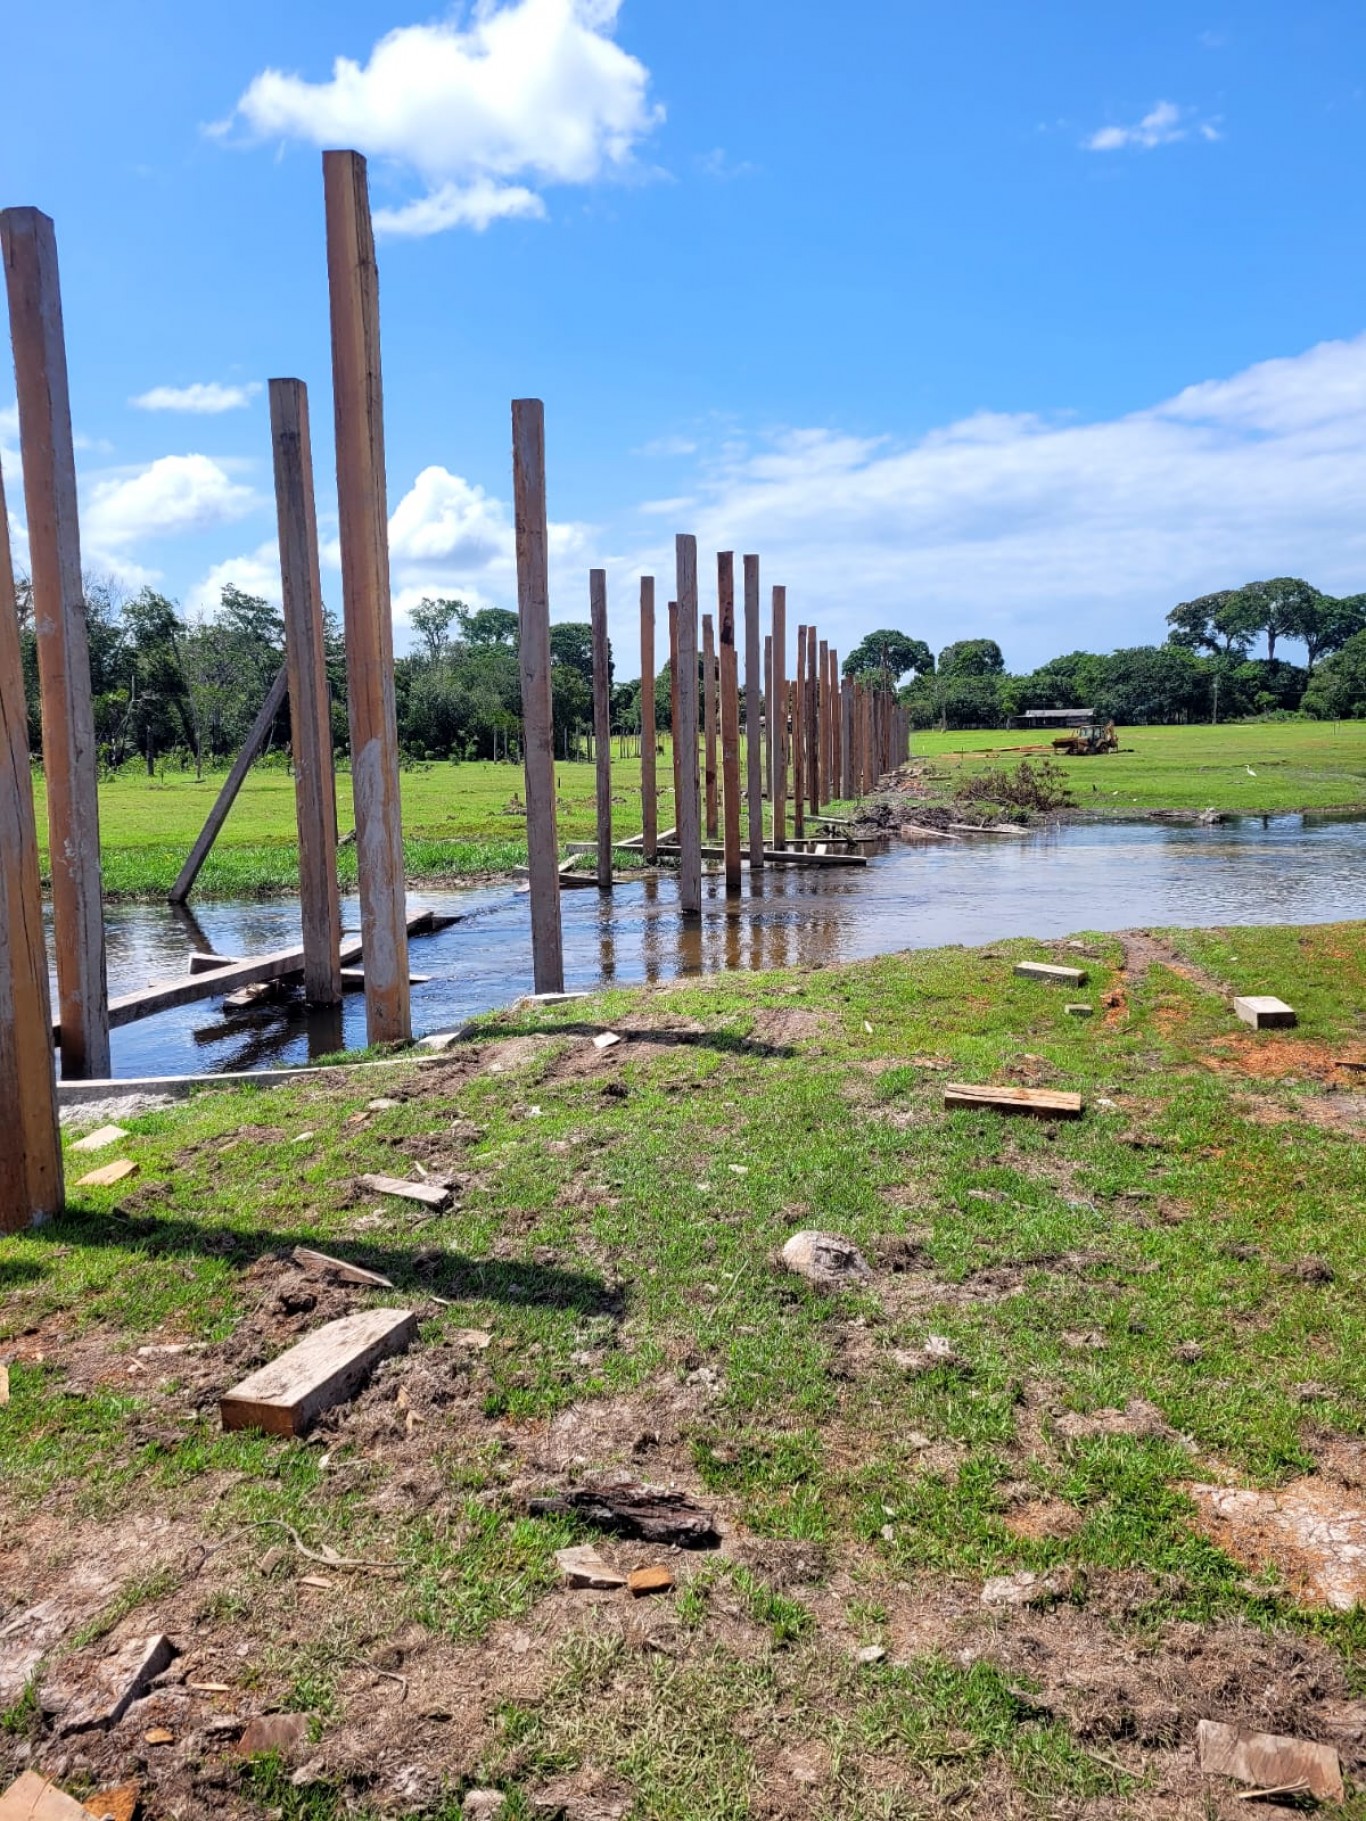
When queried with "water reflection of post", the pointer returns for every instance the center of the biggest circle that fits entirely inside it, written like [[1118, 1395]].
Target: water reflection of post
[[194, 934], [325, 1031], [732, 931], [607, 939], [651, 956]]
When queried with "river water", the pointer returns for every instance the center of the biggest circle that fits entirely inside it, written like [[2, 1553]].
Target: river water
[[1283, 869]]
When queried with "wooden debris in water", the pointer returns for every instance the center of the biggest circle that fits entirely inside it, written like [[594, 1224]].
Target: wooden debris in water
[[326, 1368]]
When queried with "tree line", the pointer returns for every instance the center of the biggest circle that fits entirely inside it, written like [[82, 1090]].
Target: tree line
[[183, 689]]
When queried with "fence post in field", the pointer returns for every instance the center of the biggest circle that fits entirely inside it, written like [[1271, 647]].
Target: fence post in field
[[363, 515], [310, 713], [688, 831], [70, 761], [602, 722], [730, 718], [709, 719], [754, 752], [778, 717], [649, 800], [30, 1133], [538, 718]]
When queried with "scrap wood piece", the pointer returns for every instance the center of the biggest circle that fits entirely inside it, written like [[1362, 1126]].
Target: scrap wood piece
[[1271, 1761], [326, 1368], [1043, 1103], [605, 1040], [117, 1804], [99, 1138], [1046, 970], [1264, 1012], [656, 1514], [108, 1174], [322, 1264], [583, 1567], [99, 1694], [33, 1798], [426, 1192]]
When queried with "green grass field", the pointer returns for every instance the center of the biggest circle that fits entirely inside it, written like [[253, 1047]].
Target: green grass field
[[1188, 1258], [460, 820], [1298, 765]]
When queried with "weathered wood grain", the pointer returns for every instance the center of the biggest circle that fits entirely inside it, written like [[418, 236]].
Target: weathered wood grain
[[688, 807], [649, 793], [602, 723], [1043, 1103], [326, 1368]]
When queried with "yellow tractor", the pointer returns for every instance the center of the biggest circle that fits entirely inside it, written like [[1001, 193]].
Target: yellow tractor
[[1085, 742]]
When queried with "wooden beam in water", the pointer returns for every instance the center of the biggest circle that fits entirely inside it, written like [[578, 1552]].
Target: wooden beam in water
[[30, 1132], [688, 808], [232, 784], [602, 723], [649, 795], [353, 287], [310, 710], [28, 242], [730, 718], [533, 609]]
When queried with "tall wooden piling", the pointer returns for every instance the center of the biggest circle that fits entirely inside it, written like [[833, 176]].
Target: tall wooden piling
[[538, 719], [30, 1134], [770, 714], [70, 761], [310, 713], [820, 744], [799, 740], [689, 831], [673, 703], [846, 739], [602, 723], [778, 713], [709, 720], [649, 798], [730, 717], [833, 723], [754, 755], [813, 712], [363, 513]]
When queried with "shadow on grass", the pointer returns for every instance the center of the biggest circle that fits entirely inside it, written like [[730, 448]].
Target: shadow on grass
[[726, 1043], [449, 1274]]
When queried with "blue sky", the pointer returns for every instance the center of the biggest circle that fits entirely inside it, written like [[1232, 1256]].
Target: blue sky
[[977, 320]]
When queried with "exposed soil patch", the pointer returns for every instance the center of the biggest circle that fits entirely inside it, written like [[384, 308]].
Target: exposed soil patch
[[1310, 1532], [1273, 1056]]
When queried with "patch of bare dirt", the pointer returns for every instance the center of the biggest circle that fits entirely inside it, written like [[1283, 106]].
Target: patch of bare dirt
[[1310, 1532], [1283, 1056]]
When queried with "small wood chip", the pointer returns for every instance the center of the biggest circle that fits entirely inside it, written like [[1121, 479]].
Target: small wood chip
[[649, 1580], [119, 1804], [4, 1385], [159, 1735], [108, 1174], [605, 1039], [322, 1264], [320, 1581]]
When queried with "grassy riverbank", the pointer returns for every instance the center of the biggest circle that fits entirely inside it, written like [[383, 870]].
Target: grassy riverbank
[[462, 822], [1163, 1295]]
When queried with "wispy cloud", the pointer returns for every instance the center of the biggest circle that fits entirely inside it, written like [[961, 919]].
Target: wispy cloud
[[719, 164], [530, 93], [205, 399], [1164, 124]]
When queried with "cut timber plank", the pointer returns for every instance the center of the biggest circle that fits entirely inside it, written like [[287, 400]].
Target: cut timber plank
[[33, 1798], [425, 1192], [1045, 970], [327, 1367], [108, 1174], [99, 1138], [1264, 1013], [322, 1264], [1270, 1761], [1042, 1102]]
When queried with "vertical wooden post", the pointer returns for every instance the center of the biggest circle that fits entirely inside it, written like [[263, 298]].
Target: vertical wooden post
[[754, 755], [778, 716], [673, 703], [649, 799], [832, 724], [602, 722], [820, 745], [30, 1134], [362, 503], [688, 827], [315, 784], [730, 717], [538, 716], [70, 760], [799, 740], [709, 718], [846, 739], [769, 714], [813, 740]]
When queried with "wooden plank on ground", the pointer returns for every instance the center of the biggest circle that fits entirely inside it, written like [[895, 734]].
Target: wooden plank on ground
[[427, 1193], [33, 1798], [108, 1174], [326, 1368], [1045, 970], [99, 1138], [322, 1264], [1043, 1103], [1263, 1012]]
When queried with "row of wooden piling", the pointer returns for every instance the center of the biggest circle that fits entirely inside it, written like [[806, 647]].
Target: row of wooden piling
[[820, 738]]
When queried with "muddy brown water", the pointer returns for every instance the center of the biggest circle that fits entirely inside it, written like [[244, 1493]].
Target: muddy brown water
[[1283, 869]]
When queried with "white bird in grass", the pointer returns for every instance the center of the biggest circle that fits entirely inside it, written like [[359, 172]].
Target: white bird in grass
[[1248, 769]]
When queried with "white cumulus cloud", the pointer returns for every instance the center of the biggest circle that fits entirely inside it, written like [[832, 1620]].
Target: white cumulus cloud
[[172, 495], [483, 110], [257, 573], [206, 399], [1164, 124]]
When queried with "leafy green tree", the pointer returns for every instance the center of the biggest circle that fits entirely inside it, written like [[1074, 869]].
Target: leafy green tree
[[571, 648], [1223, 624], [972, 658], [484, 627], [432, 620], [1337, 689], [890, 654]]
